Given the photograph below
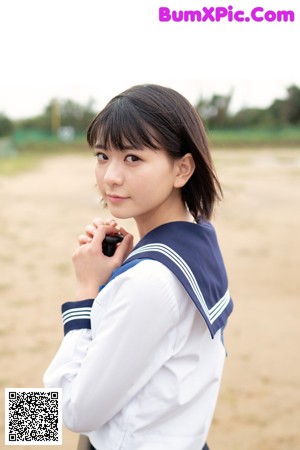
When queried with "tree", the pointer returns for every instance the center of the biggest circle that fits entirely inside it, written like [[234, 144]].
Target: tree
[[292, 106], [286, 111], [277, 112], [61, 113], [76, 115], [251, 117], [6, 126], [215, 110]]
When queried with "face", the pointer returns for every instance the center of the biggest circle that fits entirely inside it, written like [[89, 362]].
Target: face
[[139, 184]]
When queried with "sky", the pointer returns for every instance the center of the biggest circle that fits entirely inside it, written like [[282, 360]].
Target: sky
[[94, 49]]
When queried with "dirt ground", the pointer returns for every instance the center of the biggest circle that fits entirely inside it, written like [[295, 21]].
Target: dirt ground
[[258, 223]]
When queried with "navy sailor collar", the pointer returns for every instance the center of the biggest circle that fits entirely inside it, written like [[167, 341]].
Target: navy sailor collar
[[191, 251]]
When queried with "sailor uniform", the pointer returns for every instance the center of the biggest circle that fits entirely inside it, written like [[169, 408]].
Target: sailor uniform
[[192, 252], [138, 366]]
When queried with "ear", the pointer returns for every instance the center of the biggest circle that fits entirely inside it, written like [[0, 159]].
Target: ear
[[184, 169]]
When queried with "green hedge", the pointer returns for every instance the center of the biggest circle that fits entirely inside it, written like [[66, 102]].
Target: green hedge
[[258, 137]]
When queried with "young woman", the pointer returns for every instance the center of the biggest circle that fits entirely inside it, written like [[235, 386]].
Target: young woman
[[141, 361]]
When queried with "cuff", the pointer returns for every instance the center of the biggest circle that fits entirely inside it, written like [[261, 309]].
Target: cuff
[[76, 315]]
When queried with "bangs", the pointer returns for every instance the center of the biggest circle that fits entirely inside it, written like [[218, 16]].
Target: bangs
[[121, 125]]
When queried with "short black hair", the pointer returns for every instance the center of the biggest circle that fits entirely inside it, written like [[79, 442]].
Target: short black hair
[[159, 117]]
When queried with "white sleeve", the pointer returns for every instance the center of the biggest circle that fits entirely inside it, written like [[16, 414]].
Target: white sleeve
[[134, 329]]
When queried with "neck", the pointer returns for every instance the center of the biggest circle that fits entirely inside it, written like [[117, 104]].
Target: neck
[[154, 220]]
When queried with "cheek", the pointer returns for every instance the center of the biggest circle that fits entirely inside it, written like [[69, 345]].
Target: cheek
[[162, 175], [155, 183]]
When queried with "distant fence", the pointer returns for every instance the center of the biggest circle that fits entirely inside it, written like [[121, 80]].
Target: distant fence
[[65, 134], [40, 141], [28, 136], [246, 137], [274, 137]]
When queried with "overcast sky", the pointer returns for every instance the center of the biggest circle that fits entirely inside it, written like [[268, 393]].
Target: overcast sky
[[83, 49]]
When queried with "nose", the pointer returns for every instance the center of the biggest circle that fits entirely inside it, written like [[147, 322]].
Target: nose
[[113, 174]]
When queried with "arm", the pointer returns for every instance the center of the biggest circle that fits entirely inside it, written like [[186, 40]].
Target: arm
[[100, 375]]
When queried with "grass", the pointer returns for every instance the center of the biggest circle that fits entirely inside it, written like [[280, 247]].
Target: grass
[[30, 156], [12, 165]]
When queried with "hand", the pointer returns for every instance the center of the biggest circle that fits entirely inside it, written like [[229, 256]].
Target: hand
[[91, 229], [92, 267]]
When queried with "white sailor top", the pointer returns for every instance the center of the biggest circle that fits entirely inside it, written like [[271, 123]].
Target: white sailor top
[[140, 366]]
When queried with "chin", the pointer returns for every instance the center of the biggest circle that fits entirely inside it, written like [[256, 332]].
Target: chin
[[119, 215]]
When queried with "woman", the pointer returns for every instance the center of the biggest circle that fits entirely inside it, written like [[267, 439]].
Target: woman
[[141, 361]]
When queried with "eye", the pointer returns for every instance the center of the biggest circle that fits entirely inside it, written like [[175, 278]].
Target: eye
[[132, 158], [101, 156]]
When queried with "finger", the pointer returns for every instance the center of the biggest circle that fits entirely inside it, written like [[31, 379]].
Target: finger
[[123, 231], [97, 222], [111, 222], [100, 235], [125, 247], [90, 230], [84, 239]]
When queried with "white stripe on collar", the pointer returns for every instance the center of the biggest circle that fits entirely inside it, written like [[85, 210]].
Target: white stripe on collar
[[213, 313]]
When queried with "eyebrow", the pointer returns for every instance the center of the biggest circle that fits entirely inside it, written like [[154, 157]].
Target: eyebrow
[[125, 147]]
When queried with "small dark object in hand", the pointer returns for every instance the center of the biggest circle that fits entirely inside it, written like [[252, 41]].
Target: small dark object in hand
[[110, 243]]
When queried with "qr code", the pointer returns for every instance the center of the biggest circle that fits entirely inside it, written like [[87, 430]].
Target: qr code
[[33, 416]]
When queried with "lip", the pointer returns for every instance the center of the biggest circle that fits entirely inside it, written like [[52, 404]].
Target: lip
[[115, 198]]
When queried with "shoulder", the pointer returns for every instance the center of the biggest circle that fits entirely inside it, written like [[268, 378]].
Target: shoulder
[[149, 270], [149, 285], [147, 273], [151, 275]]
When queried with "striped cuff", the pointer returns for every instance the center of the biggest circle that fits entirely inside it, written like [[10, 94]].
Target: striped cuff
[[76, 315]]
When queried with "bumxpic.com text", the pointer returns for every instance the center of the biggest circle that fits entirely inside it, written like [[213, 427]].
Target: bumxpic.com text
[[216, 14]]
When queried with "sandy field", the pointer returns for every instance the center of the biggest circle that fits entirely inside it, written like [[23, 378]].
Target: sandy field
[[258, 223]]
